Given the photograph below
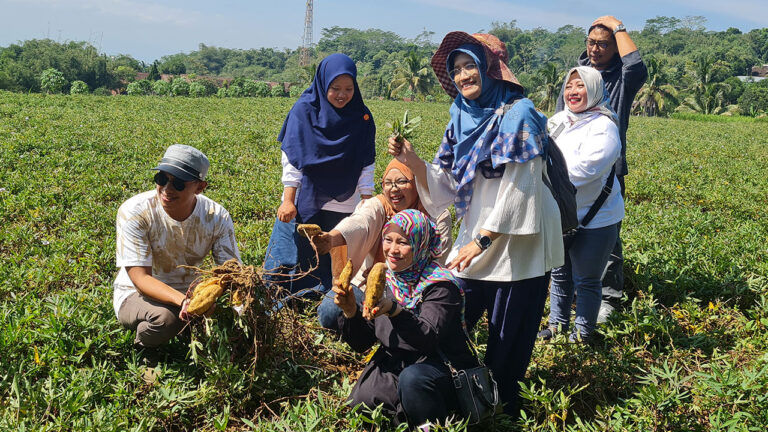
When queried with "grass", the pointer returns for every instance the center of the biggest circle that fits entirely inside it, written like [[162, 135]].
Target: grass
[[688, 351]]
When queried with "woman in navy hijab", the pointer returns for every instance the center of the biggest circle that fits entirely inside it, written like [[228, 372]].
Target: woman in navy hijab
[[328, 155]]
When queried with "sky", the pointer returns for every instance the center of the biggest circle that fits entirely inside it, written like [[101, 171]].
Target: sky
[[148, 30]]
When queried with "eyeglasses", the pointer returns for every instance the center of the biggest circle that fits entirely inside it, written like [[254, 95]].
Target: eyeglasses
[[161, 179], [600, 44], [468, 68], [400, 183]]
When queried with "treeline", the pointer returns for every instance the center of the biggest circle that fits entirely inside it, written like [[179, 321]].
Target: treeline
[[690, 68]]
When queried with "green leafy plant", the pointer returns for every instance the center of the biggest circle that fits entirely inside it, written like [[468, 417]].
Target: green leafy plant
[[52, 80], [79, 87], [686, 352], [400, 130]]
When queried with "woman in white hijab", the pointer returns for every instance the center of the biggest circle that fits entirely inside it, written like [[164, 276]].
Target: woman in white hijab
[[587, 134]]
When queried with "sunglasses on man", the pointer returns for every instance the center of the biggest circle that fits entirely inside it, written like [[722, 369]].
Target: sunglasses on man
[[600, 44], [161, 179]]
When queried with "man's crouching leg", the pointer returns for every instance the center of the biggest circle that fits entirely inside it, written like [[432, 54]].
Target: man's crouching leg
[[155, 323]]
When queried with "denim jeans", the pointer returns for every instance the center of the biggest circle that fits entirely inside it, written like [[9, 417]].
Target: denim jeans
[[328, 313], [289, 253], [582, 273], [613, 274]]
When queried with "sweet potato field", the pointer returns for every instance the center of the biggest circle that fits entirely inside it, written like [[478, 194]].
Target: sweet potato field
[[688, 352]]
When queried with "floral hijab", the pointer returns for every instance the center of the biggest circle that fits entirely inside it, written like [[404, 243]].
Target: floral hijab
[[408, 285]]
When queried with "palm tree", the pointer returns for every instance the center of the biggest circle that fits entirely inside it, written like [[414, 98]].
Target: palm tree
[[707, 96], [707, 99], [656, 94], [550, 82], [413, 74]]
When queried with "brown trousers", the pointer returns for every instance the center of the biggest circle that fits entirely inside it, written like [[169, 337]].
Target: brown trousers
[[155, 323]]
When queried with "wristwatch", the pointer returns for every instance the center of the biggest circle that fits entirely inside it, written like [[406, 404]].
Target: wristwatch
[[483, 241], [619, 28]]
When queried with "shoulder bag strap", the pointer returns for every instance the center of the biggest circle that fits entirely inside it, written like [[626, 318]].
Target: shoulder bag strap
[[601, 198]]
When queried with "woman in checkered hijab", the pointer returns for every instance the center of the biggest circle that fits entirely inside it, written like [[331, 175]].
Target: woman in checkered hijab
[[489, 167]]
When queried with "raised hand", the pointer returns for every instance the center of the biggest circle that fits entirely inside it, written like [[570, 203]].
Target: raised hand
[[345, 299]]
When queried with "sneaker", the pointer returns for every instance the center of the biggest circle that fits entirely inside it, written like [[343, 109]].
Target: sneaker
[[578, 338], [606, 310], [546, 334]]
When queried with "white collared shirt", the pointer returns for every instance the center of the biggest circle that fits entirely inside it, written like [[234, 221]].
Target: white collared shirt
[[590, 149]]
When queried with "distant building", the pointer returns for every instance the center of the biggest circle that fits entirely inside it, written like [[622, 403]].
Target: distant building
[[760, 71], [750, 79]]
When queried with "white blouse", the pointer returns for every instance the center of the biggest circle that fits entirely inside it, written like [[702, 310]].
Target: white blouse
[[292, 178], [590, 149], [518, 205]]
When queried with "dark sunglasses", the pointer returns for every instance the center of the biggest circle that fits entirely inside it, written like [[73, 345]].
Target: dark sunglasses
[[600, 44], [161, 179]]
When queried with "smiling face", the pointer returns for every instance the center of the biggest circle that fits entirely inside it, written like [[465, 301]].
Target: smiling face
[[575, 94], [397, 249], [341, 90], [467, 79], [399, 190], [600, 58], [179, 204]]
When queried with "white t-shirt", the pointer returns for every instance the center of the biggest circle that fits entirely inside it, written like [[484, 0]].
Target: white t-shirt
[[590, 149], [147, 236], [292, 178]]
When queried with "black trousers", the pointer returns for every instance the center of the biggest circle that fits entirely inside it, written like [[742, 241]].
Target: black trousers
[[420, 393], [514, 313]]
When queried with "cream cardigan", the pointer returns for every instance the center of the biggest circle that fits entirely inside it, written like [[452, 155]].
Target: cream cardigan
[[518, 205]]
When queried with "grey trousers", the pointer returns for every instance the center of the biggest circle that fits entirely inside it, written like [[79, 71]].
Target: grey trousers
[[155, 323], [613, 275]]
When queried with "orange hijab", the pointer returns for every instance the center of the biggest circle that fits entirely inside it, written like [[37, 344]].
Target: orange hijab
[[388, 209], [395, 164]]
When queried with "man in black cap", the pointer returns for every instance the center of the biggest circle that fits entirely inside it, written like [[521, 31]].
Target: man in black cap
[[611, 51], [160, 230]]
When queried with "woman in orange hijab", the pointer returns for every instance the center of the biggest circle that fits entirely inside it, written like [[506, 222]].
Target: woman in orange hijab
[[361, 232]]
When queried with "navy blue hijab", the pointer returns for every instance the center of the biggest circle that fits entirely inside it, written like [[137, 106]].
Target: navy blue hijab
[[330, 146]]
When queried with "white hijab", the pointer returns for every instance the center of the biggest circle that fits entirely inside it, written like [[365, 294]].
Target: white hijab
[[597, 100]]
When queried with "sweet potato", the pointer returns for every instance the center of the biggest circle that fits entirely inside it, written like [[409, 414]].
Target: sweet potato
[[308, 230], [345, 277], [374, 287], [205, 295]]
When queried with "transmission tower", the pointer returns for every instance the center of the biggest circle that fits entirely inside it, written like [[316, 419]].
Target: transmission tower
[[306, 45]]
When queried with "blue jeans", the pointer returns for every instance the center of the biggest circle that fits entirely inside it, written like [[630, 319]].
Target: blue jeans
[[328, 313], [582, 273], [613, 274], [289, 253]]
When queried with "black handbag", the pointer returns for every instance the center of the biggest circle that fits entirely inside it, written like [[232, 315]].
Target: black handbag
[[476, 390]]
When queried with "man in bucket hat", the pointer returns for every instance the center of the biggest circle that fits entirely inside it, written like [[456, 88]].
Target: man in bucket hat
[[160, 230]]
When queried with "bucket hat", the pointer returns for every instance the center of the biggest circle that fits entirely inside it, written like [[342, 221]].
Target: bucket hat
[[184, 162], [495, 56]]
